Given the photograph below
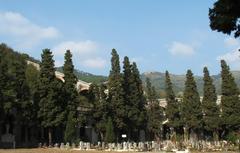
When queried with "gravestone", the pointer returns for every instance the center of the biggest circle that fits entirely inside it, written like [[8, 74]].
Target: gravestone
[[109, 146], [81, 147], [73, 145], [88, 146], [130, 146], [8, 138], [113, 146], [56, 145], [40, 145], [134, 146], [125, 146], [67, 145], [103, 145], [119, 146], [99, 144], [62, 146], [140, 146]]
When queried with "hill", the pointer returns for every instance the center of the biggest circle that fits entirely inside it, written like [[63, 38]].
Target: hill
[[87, 77], [158, 80]]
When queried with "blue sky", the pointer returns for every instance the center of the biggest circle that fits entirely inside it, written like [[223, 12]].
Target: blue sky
[[158, 35]]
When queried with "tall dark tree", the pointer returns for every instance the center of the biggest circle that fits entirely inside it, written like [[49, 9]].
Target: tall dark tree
[[224, 17], [211, 112], [140, 100], [191, 111], [70, 95], [70, 132], [50, 111], [32, 79], [3, 81], [100, 111], [172, 108], [116, 94], [230, 103], [154, 112], [22, 91], [110, 136], [133, 98], [150, 91], [130, 97], [70, 82]]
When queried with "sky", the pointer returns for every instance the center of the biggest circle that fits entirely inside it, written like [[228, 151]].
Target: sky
[[157, 35]]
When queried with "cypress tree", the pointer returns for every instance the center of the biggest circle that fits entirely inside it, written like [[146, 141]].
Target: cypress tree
[[24, 105], [230, 103], [110, 136], [191, 107], [100, 111], [131, 97], [150, 91], [70, 96], [116, 94], [3, 81], [172, 108], [70, 132], [70, 82], [134, 100], [154, 112], [210, 109], [140, 101], [50, 111]]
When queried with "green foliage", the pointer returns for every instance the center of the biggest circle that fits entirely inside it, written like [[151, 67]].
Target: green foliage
[[15, 93], [150, 91], [50, 111], [191, 112], [224, 17], [100, 109], [154, 111], [3, 81], [155, 119], [210, 109], [110, 136], [172, 108], [140, 100], [233, 137], [133, 96], [116, 93], [70, 132], [230, 102], [70, 82]]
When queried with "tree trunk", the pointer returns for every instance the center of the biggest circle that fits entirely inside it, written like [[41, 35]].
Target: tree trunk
[[42, 134], [26, 133], [156, 137], [50, 136], [193, 135], [215, 135], [101, 136], [186, 134]]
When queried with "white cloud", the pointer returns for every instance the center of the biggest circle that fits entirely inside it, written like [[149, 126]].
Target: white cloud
[[232, 58], [77, 48], [23, 31], [58, 63], [95, 63], [178, 48], [231, 42], [136, 59]]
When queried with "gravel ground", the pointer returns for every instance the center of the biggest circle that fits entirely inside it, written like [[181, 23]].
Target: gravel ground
[[64, 151]]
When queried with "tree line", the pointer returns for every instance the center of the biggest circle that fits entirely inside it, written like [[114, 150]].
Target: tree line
[[36, 99]]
